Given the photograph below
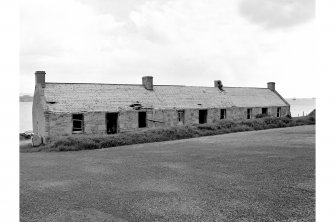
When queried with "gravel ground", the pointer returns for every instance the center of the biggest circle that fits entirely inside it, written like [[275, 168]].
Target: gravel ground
[[264, 175]]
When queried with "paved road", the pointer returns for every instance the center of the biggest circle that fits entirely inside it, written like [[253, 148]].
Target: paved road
[[250, 176]]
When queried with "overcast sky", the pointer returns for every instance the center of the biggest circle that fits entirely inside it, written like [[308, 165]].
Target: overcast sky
[[241, 42]]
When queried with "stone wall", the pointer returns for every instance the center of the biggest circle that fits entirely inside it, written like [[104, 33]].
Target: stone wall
[[236, 113], [240, 113], [39, 122], [213, 115], [285, 110], [191, 116], [60, 124], [128, 121], [157, 118], [95, 123]]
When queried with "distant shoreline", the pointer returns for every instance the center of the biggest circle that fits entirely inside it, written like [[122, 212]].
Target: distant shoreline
[[26, 98]]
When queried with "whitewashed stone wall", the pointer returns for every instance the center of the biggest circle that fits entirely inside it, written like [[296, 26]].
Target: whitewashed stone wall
[[39, 121]]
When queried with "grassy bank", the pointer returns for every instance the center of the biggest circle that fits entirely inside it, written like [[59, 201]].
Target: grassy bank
[[87, 142]]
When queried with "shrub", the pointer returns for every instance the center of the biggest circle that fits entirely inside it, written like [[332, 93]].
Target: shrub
[[227, 123], [312, 113], [305, 120], [86, 142], [24, 136], [241, 128], [261, 115], [311, 119], [286, 119], [256, 124], [207, 126]]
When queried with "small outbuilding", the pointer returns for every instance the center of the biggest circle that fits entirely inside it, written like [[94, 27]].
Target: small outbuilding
[[62, 109]]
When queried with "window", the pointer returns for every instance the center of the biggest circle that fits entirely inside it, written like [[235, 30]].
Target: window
[[142, 119], [181, 114], [203, 116], [279, 112], [223, 114], [249, 113], [78, 123], [265, 111]]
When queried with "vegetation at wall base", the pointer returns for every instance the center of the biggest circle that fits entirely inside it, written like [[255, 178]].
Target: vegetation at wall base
[[88, 142]]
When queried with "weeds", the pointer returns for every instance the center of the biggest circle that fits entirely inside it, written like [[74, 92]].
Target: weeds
[[87, 142]]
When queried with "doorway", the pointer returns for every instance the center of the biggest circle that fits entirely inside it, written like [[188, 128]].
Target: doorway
[[111, 122], [202, 116], [142, 119]]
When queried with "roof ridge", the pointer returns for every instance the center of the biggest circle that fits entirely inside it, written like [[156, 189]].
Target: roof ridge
[[125, 84], [109, 83], [251, 87], [92, 83]]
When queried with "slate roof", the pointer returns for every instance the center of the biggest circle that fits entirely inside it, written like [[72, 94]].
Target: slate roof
[[92, 97]]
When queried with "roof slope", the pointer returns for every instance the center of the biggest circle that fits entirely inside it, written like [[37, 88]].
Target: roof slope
[[89, 97]]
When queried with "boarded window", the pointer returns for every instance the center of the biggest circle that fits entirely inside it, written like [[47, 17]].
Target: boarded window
[[249, 113], [265, 111], [279, 112], [203, 116], [142, 119], [181, 115], [223, 114], [78, 123], [111, 122]]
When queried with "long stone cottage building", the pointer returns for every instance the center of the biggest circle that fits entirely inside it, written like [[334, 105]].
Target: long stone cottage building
[[61, 109]]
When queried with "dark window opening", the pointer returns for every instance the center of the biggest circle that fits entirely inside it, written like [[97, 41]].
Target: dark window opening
[[111, 122], [279, 112], [78, 123], [265, 111], [223, 114], [142, 119], [249, 113], [202, 116], [181, 114]]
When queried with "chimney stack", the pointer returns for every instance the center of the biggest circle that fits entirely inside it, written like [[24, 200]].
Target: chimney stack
[[272, 86], [147, 82], [218, 84], [40, 78]]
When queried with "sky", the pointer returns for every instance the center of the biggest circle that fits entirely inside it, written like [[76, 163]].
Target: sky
[[182, 42]]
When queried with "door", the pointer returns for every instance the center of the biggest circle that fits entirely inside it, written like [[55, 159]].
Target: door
[[111, 122]]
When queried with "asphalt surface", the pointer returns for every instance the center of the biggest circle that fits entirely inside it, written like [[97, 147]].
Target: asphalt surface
[[250, 176]]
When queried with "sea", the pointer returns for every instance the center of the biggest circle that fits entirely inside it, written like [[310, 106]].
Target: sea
[[299, 107]]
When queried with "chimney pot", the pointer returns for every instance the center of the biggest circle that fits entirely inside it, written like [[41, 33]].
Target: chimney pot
[[218, 84], [40, 78], [147, 82], [272, 86]]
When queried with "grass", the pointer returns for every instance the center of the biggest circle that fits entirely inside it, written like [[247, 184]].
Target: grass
[[266, 175], [89, 142]]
